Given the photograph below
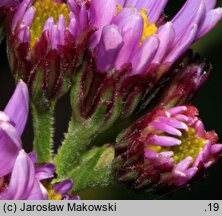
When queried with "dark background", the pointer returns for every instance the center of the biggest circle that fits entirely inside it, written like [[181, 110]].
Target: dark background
[[208, 101]]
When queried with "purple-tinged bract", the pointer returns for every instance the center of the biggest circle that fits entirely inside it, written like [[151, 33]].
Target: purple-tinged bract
[[4, 4], [165, 150]]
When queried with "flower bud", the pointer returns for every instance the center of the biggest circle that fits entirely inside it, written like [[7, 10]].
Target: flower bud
[[165, 150], [187, 78]]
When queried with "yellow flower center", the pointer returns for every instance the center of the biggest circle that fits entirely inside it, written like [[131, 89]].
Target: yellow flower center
[[118, 8], [190, 146], [148, 29], [51, 193], [43, 10]]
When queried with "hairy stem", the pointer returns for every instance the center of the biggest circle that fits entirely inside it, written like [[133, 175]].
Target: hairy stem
[[43, 121], [77, 139]]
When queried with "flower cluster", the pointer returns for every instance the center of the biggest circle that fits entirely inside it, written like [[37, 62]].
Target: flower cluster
[[120, 58]]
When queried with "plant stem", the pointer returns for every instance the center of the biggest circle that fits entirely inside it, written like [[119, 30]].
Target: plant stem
[[43, 121], [76, 140]]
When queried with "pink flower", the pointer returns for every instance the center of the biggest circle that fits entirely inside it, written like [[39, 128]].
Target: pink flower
[[166, 149]]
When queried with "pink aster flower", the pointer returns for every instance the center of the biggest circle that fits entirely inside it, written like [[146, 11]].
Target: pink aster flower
[[166, 149], [130, 31], [133, 50], [28, 181], [12, 124], [20, 177], [45, 41]]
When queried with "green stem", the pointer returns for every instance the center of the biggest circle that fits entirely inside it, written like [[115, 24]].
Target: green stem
[[43, 132], [82, 131], [76, 140]]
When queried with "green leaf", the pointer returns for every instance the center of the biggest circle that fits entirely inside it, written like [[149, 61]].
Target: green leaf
[[92, 173]]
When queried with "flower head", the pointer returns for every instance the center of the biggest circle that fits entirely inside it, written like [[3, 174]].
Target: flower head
[[28, 181], [132, 51], [20, 176], [12, 124], [165, 149], [45, 43], [129, 32]]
